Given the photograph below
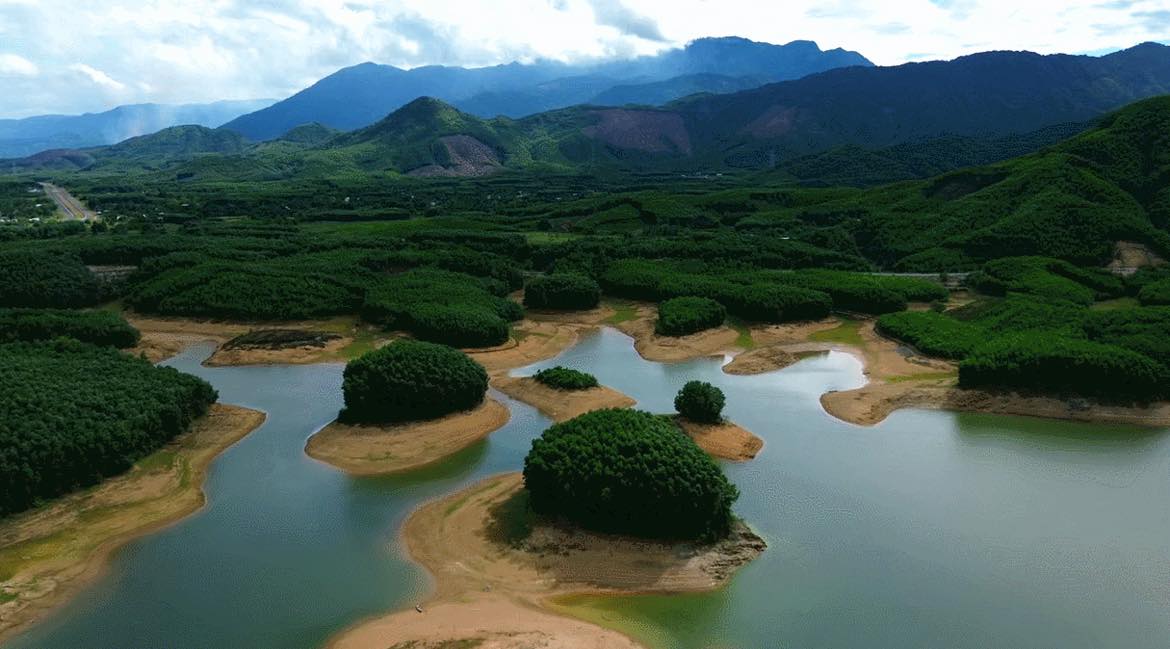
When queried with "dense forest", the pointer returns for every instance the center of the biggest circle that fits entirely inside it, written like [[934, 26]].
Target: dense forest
[[75, 413], [408, 380], [628, 472]]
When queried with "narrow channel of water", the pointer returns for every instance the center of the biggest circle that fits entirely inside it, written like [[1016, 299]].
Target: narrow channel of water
[[933, 529]]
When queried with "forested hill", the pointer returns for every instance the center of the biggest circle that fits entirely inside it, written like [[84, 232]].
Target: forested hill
[[993, 93], [1073, 201]]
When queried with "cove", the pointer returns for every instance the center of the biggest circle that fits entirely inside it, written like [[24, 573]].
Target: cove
[[932, 529]]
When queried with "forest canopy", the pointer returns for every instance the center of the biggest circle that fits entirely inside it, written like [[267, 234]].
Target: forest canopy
[[628, 472], [63, 429]]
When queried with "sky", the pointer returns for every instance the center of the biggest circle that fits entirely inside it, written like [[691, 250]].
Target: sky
[[65, 56]]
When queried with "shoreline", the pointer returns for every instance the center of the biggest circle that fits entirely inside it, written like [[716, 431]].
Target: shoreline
[[52, 553], [493, 584], [396, 448], [560, 405], [726, 440]]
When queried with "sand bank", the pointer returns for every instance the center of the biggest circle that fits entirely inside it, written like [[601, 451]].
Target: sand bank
[[873, 403], [163, 338], [49, 554], [727, 440], [492, 580], [673, 349], [560, 405], [374, 450], [535, 341]]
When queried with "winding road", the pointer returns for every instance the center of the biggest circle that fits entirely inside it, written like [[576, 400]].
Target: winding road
[[73, 209]]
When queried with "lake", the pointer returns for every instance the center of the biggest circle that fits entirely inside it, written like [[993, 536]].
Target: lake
[[933, 529]]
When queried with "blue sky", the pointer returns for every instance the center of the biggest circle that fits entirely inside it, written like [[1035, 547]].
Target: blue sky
[[64, 56]]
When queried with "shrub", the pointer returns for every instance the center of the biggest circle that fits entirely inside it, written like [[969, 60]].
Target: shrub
[[686, 315], [1142, 330], [45, 280], [933, 334], [563, 378], [95, 327], [701, 402], [409, 380], [628, 472], [565, 291], [1155, 293], [1058, 364], [72, 414]]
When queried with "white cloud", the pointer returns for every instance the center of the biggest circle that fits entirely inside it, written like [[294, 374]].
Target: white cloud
[[174, 51], [98, 77], [17, 66]]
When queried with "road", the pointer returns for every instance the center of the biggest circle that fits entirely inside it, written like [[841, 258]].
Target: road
[[73, 209]]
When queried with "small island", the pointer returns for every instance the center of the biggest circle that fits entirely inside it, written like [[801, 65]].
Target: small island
[[700, 408], [602, 506], [562, 393], [407, 405]]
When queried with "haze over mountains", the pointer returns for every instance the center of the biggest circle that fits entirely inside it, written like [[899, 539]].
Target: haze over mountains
[[22, 137], [361, 95]]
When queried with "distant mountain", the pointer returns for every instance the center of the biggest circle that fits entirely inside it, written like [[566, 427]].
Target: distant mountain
[[361, 95], [662, 92], [986, 95], [23, 137]]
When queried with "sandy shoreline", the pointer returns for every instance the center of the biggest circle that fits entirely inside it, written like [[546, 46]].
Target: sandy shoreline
[[560, 405], [163, 338], [727, 440], [492, 582], [379, 450], [49, 554]]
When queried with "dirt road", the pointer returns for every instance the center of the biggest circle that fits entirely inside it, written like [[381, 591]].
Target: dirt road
[[72, 208]]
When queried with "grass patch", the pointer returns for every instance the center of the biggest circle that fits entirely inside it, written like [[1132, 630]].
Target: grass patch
[[6, 597], [159, 461], [622, 313], [1116, 305], [925, 376], [846, 333], [745, 340]]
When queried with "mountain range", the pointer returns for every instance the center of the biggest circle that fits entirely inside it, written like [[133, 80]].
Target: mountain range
[[361, 95], [857, 125], [22, 137]]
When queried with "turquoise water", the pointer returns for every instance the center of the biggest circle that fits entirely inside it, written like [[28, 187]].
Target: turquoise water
[[931, 530]]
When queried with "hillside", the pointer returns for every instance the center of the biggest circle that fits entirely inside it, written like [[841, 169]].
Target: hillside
[[1072, 201], [146, 152], [358, 96], [25, 137], [990, 94]]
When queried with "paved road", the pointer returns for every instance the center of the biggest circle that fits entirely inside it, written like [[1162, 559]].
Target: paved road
[[73, 209]]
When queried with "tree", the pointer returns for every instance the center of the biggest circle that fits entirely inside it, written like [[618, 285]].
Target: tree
[[701, 402]]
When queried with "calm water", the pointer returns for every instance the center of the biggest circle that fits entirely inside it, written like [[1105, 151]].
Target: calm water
[[931, 530]]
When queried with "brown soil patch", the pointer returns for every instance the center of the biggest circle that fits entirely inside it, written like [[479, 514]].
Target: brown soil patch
[[760, 360], [727, 440], [49, 554], [534, 341], [492, 579], [871, 404], [1129, 257], [673, 349], [560, 405], [652, 131], [468, 157], [376, 450]]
